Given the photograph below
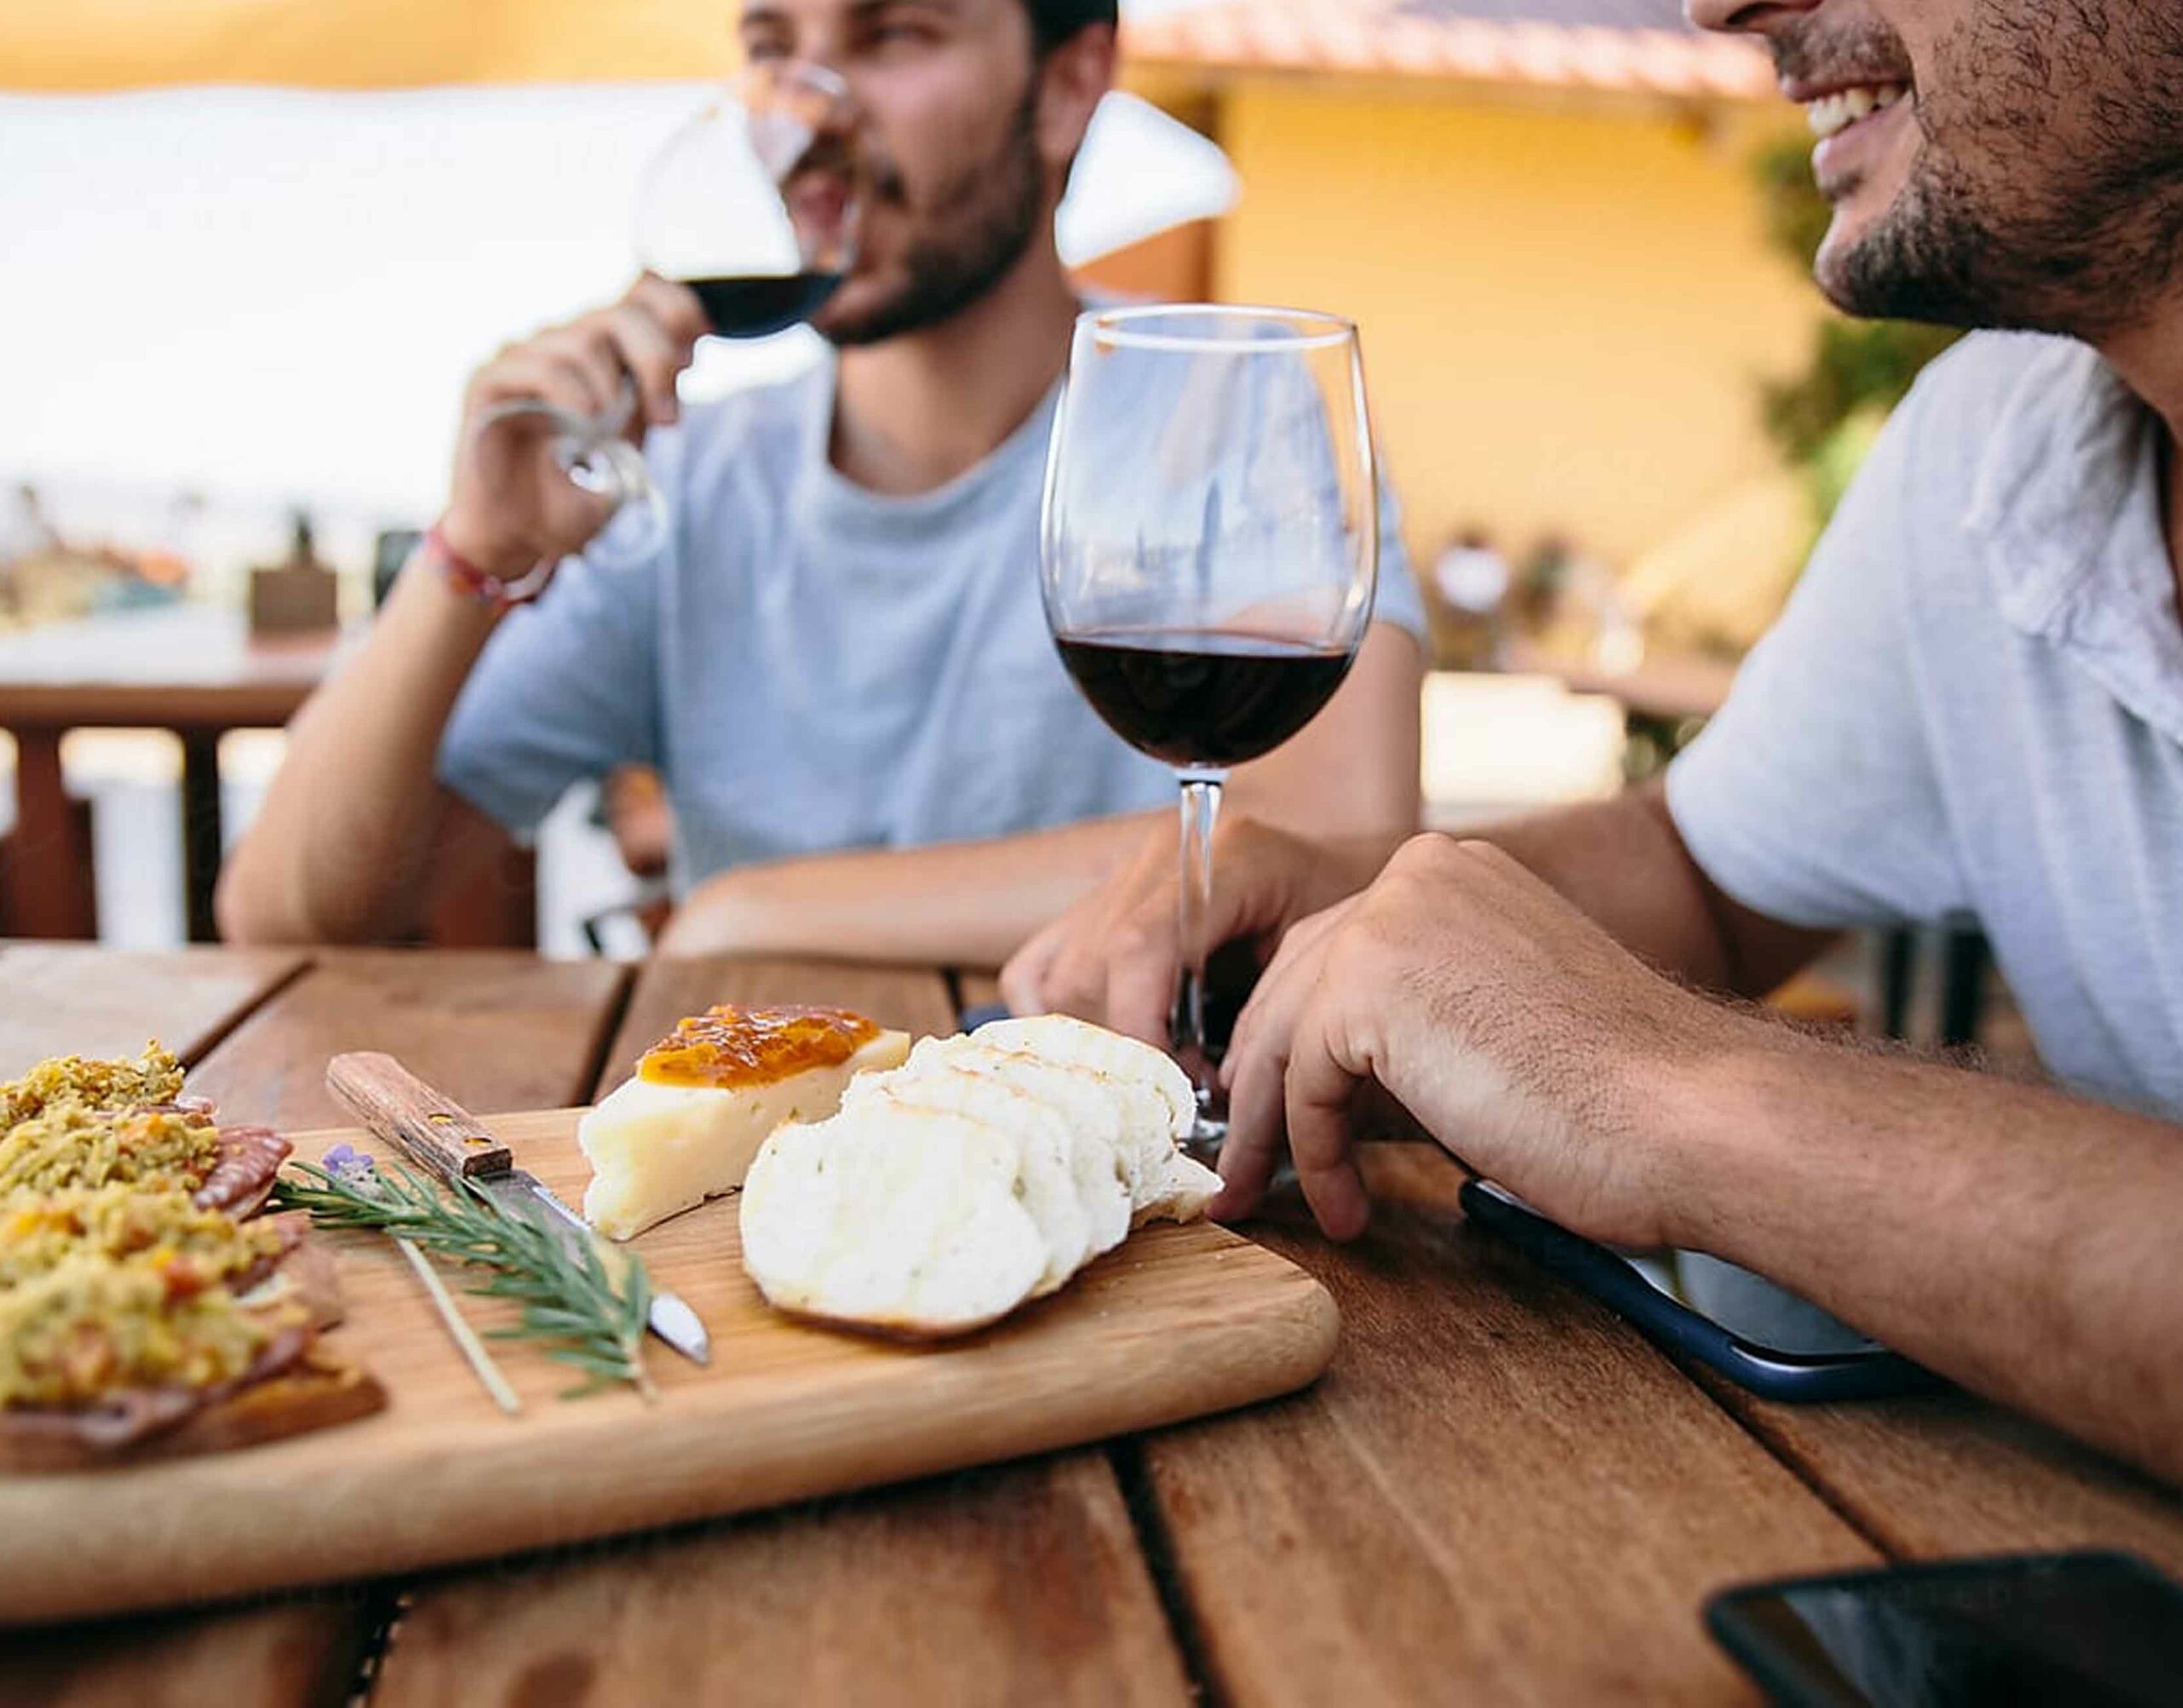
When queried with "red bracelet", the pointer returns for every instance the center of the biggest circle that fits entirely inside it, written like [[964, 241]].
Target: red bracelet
[[465, 577]]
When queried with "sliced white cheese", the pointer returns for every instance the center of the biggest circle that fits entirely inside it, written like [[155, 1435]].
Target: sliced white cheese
[[1050, 1192], [892, 1216], [1091, 1112], [657, 1150], [1159, 1106], [1064, 1038]]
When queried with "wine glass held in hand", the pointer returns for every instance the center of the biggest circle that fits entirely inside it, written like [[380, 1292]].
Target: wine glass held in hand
[[1209, 552], [753, 204]]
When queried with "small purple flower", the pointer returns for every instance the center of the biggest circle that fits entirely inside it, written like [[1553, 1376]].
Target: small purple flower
[[346, 1162]]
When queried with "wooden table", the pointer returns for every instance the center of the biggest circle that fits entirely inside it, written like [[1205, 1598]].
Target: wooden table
[[1497, 1493], [189, 669]]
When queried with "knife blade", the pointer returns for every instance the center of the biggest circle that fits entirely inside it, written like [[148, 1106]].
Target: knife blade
[[441, 1135]]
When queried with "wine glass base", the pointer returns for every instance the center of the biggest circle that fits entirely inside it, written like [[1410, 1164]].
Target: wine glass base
[[1204, 1141]]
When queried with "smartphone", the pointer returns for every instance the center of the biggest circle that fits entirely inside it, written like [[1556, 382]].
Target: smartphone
[[2093, 1631], [1840, 1368]]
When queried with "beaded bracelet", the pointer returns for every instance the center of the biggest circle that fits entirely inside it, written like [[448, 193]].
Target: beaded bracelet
[[488, 589]]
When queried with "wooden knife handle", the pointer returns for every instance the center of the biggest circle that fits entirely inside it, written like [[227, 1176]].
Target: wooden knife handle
[[401, 1108]]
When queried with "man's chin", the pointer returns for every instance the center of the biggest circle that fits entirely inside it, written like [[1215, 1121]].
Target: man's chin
[[1834, 268], [1844, 264], [837, 323], [857, 312]]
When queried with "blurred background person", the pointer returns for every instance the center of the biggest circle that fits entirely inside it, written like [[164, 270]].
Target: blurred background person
[[1473, 581], [839, 663]]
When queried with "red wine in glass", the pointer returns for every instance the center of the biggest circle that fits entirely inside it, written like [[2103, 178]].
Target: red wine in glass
[[762, 306], [1202, 699], [1208, 549]]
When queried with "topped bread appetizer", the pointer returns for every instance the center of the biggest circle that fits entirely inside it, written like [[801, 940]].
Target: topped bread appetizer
[[138, 1299]]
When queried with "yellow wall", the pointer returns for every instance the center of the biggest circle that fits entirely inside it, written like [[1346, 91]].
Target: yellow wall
[[97, 44], [1564, 312]]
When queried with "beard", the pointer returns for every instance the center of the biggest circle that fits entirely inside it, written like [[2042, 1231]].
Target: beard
[[977, 228], [2047, 194]]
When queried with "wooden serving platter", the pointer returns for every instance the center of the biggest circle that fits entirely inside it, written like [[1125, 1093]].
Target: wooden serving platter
[[1179, 1322]]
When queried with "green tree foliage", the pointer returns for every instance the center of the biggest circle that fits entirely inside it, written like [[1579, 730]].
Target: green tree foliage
[[1823, 418]]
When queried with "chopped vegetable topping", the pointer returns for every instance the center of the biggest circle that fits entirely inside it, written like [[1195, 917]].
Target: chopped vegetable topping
[[71, 1144], [121, 1084], [190, 1248], [80, 1332], [112, 1277]]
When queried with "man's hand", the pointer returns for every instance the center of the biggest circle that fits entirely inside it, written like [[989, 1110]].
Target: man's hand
[[1112, 958], [1512, 1028], [513, 506]]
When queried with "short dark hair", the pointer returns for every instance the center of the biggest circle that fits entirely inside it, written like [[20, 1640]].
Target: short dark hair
[[1054, 21]]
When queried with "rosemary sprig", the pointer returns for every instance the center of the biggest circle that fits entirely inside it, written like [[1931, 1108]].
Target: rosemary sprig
[[568, 1298]]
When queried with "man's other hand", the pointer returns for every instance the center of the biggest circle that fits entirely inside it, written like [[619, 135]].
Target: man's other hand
[[1513, 1030], [1112, 957]]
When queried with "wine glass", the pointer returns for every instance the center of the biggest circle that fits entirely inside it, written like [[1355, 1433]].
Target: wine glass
[[753, 203], [1209, 548]]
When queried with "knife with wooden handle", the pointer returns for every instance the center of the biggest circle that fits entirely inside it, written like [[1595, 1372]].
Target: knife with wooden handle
[[439, 1134]]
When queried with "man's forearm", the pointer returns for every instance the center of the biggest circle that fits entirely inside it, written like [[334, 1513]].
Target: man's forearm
[[335, 851], [953, 904], [1623, 863], [2015, 1239]]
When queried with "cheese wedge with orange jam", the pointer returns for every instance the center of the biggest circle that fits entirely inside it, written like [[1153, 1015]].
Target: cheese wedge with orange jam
[[706, 1096]]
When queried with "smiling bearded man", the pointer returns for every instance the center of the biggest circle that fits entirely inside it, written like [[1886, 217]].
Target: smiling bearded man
[[1991, 164], [1972, 707]]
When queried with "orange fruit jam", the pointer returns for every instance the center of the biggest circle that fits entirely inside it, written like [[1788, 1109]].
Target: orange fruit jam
[[728, 1047]]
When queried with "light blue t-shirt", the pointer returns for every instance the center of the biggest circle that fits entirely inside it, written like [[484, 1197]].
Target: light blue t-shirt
[[809, 665], [1973, 705]]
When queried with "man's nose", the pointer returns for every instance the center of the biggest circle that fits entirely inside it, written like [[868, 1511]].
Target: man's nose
[[1745, 17]]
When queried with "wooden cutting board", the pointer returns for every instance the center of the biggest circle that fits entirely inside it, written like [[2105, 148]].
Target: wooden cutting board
[[1178, 1322]]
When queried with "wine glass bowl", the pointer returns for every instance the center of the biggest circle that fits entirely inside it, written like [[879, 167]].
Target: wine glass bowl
[[1209, 552], [754, 202]]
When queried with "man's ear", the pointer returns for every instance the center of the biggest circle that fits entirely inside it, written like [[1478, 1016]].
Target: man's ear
[[1077, 72]]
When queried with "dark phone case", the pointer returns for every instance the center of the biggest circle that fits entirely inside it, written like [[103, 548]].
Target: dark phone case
[[1730, 1622], [1804, 1377]]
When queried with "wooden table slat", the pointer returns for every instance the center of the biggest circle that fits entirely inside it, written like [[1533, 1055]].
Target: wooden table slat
[[1949, 1475], [1017, 1584], [77, 1000], [496, 1030], [503, 1030], [283, 1654], [1020, 1584], [1498, 1493]]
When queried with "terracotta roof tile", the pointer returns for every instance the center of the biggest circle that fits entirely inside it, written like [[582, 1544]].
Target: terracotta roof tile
[[1642, 45]]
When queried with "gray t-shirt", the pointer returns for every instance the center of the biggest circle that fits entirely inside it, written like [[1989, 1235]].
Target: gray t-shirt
[[812, 666], [1973, 705]]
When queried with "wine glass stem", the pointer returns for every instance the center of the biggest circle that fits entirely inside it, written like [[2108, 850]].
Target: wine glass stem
[[1201, 816]]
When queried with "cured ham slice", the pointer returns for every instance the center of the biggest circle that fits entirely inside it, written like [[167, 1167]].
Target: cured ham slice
[[242, 1179]]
